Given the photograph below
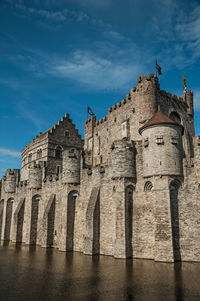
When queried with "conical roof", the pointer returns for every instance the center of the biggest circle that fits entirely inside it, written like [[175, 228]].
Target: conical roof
[[159, 118]]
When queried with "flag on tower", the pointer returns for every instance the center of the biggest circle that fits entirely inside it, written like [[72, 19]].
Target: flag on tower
[[90, 111], [158, 68], [184, 82]]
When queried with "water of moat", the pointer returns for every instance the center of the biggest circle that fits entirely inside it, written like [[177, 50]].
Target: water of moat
[[34, 274]]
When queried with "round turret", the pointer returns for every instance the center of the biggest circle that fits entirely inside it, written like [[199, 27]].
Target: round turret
[[162, 146], [10, 182], [71, 166], [146, 92], [35, 175], [123, 159]]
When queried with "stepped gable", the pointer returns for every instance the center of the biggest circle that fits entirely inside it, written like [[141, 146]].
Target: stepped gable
[[159, 118]]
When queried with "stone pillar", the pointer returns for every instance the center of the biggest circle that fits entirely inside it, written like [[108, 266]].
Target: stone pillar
[[163, 250], [120, 239]]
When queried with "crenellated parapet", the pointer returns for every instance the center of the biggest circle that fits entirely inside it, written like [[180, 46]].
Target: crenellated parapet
[[35, 175], [123, 159], [11, 180], [71, 166]]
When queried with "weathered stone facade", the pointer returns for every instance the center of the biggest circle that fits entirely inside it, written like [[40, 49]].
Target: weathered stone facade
[[130, 189]]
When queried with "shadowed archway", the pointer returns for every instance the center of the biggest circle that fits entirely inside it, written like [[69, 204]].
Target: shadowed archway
[[9, 211], [174, 208], [129, 220], [19, 217], [1, 216], [71, 207], [34, 219]]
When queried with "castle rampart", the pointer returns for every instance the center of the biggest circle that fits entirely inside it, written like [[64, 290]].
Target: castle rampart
[[130, 189]]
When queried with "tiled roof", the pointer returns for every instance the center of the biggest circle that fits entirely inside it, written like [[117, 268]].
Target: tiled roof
[[159, 118]]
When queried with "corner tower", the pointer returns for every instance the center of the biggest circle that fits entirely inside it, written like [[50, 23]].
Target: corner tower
[[147, 91], [162, 146], [162, 163]]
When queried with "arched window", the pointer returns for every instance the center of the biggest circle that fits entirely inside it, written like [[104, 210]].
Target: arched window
[[39, 153], [148, 186], [58, 152], [175, 117]]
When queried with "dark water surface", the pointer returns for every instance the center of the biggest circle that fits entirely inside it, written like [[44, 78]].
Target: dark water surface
[[33, 274]]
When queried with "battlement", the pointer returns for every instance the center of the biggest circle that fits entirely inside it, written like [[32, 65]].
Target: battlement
[[116, 108], [144, 78], [10, 172]]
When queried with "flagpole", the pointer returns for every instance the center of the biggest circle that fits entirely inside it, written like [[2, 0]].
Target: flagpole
[[87, 112], [156, 68]]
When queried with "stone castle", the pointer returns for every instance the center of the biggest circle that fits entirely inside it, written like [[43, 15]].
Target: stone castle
[[130, 189]]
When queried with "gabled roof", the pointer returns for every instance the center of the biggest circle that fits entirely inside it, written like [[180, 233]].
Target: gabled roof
[[160, 118]]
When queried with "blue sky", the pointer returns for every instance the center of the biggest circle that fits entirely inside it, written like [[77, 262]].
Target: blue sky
[[57, 56]]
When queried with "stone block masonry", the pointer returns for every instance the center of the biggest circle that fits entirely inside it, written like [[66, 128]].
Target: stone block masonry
[[129, 190]]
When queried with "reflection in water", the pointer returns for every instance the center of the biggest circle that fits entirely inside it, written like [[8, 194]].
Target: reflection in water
[[33, 273]]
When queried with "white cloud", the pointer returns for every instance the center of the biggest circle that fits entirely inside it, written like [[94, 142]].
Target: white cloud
[[9, 152], [93, 70], [189, 31], [49, 15]]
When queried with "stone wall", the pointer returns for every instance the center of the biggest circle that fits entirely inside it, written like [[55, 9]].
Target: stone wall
[[103, 198]]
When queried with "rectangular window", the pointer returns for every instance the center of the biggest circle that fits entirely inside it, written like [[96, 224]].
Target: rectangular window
[[159, 140], [90, 144], [67, 134], [124, 129]]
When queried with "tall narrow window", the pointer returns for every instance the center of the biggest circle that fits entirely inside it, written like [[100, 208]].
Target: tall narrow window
[[58, 152], [39, 153], [29, 158], [124, 129], [57, 170]]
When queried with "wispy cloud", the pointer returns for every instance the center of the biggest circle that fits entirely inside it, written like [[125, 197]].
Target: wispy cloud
[[9, 152], [189, 31], [94, 71], [51, 14], [11, 83]]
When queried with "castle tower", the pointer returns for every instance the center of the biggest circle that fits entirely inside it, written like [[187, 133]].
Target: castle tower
[[162, 162], [71, 166], [188, 98], [123, 159], [35, 175], [12, 176], [146, 92], [162, 146]]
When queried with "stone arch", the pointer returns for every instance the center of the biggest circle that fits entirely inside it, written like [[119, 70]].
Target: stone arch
[[48, 222], [148, 186], [9, 211], [1, 215], [175, 117], [129, 220], [174, 209], [19, 219], [71, 207], [34, 219], [92, 235]]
